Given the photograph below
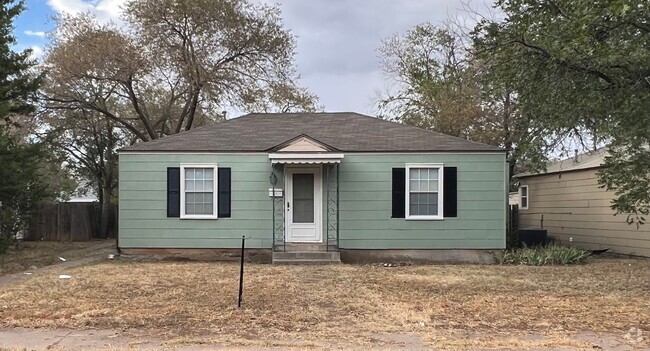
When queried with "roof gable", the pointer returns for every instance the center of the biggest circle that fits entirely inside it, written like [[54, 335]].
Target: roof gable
[[303, 143], [342, 131]]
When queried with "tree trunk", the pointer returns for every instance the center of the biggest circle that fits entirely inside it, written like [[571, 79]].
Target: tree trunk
[[106, 203]]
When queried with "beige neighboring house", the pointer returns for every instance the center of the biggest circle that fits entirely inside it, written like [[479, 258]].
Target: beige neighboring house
[[573, 205]]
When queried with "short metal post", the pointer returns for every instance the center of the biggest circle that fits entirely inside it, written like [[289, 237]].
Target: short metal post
[[241, 271]]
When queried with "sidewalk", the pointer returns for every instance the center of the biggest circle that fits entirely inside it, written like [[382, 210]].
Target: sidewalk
[[21, 339]]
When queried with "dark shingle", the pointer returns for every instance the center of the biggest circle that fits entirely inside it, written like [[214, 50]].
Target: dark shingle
[[345, 131]]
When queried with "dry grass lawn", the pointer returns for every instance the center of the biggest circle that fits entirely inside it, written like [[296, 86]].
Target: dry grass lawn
[[446, 306], [44, 253]]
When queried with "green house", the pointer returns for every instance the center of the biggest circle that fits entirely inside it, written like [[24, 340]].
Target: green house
[[313, 187]]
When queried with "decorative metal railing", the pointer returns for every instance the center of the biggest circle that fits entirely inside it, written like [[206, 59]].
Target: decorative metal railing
[[331, 182], [277, 184], [331, 185]]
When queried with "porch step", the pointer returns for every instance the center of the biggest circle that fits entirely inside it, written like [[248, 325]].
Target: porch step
[[303, 247], [307, 257]]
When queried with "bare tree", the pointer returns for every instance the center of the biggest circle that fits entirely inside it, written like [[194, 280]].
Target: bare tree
[[440, 84], [175, 64]]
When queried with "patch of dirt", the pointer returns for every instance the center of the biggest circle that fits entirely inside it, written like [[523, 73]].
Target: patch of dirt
[[31, 255]]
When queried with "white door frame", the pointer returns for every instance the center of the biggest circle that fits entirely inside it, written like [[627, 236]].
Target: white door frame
[[318, 203]]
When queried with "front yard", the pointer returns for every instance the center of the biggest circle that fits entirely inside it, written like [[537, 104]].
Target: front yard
[[448, 307]]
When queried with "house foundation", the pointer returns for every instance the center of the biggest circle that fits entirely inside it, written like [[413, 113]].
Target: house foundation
[[446, 256], [252, 255]]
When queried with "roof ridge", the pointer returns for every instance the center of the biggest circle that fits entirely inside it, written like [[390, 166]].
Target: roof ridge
[[426, 130]]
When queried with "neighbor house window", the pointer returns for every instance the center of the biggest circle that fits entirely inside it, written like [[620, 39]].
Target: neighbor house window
[[523, 197], [198, 195], [424, 191]]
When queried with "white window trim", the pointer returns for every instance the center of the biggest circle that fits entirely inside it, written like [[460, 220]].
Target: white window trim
[[214, 190], [440, 168], [521, 202]]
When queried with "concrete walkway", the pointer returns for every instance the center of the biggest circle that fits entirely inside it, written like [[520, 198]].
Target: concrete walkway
[[104, 247], [66, 339], [95, 340], [114, 339]]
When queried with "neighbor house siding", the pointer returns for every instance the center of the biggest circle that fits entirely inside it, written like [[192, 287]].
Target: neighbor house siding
[[365, 203], [574, 205]]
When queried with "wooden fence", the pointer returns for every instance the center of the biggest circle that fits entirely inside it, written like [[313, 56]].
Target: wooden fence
[[69, 221], [513, 226]]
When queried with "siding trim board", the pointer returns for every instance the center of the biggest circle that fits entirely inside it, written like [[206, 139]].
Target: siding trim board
[[369, 152], [523, 176]]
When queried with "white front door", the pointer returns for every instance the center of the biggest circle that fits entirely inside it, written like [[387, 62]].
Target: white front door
[[304, 199]]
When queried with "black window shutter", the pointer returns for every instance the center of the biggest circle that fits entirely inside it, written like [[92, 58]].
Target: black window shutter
[[223, 209], [173, 192], [450, 192], [399, 193]]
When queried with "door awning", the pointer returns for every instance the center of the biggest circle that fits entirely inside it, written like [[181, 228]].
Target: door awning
[[306, 158]]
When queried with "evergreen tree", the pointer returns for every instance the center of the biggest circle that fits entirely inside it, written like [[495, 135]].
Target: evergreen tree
[[16, 83], [22, 183]]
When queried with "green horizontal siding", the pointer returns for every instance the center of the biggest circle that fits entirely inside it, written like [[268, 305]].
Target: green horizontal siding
[[365, 204], [143, 204]]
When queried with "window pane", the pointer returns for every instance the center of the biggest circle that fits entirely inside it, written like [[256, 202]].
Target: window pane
[[524, 191], [189, 173], [303, 198], [208, 173], [198, 185], [199, 203], [414, 174], [189, 185], [524, 202], [208, 184], [423, 179], [423, 204]]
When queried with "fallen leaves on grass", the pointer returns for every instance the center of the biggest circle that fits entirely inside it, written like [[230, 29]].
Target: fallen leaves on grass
[[341, 303]]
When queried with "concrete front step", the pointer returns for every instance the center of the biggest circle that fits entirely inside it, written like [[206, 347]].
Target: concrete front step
[[307, 257], [306, 247]]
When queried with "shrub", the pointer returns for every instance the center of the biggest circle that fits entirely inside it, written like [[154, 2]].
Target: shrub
[[550, 254]]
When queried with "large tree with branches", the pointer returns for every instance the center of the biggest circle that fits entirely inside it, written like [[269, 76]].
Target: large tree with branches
[[582, 66], [176, 64], [439, 83]]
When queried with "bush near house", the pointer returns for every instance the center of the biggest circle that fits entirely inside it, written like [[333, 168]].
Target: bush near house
[[549, 254]]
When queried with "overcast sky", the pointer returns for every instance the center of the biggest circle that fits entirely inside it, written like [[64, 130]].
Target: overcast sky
[[337, 39]]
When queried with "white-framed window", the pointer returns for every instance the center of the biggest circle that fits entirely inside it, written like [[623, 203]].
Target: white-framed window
[[199, 191], [523, 197], [424, 191]]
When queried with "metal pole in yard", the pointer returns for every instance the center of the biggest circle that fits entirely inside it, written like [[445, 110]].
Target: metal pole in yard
[[241, 271]]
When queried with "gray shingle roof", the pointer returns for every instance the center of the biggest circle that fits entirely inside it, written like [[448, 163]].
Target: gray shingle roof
[[344, 131], [588, 160]]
